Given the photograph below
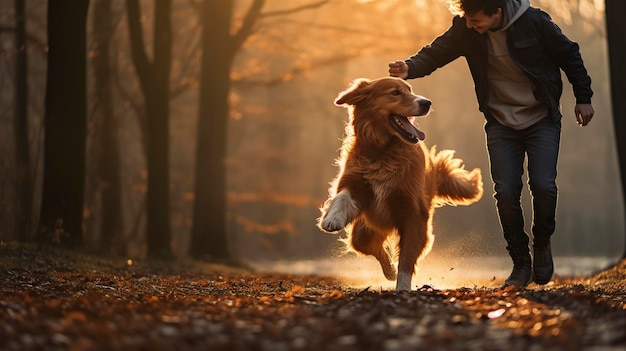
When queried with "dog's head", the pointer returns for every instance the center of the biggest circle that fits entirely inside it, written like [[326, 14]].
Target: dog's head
[[384, 108]]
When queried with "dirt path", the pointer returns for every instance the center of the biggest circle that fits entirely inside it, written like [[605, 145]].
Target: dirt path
[[55, 300]]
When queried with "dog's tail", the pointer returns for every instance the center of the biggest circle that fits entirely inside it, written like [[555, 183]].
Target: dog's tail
[[455, 185]]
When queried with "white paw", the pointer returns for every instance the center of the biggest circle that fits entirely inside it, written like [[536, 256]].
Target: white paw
[[333, 224], [341, 211], [404, 281]]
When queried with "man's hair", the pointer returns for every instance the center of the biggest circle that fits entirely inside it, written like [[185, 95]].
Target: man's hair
[[470, 7]]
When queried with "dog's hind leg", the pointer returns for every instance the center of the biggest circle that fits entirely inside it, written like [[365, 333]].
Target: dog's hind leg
[[368, 241], [415, 242]]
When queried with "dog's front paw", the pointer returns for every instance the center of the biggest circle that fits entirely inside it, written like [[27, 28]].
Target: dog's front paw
[[341, 211], [332, 224]]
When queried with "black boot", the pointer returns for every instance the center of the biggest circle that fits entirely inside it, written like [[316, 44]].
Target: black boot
[[522, 272], [543, 266]]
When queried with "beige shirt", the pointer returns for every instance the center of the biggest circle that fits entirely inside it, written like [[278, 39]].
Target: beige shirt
[[511, 98]]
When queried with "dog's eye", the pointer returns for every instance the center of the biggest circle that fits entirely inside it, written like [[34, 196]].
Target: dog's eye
[[395, 92]]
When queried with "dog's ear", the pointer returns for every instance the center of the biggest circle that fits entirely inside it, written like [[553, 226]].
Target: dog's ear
[[355, 93]]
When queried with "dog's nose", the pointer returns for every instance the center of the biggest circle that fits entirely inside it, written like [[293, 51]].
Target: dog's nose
[[425, 103]]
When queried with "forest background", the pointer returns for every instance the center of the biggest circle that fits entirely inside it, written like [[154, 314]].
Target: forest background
[[283, 131]]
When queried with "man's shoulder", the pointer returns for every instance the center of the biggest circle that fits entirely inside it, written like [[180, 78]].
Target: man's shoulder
[[458, 22], [535, 14], [534, 20], [460, 28]]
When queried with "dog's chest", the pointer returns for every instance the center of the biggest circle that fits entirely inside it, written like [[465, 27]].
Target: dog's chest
[[390, 172], [391, 175]]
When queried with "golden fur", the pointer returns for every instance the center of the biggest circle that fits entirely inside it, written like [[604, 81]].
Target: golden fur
[[389, 183]]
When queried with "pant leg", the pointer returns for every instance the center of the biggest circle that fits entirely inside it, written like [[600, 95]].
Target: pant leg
[[506, 156], [542, 144]]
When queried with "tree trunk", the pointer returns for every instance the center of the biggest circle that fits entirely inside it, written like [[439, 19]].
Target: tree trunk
[[208, 235], [24, 179], [108, 157], [616, 32], [209, 239], [65, 123], [154, 80]]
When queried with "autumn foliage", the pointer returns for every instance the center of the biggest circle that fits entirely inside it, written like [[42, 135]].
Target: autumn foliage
[[56, 300]]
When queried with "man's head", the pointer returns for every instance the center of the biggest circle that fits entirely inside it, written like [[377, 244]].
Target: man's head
[[481, 15]]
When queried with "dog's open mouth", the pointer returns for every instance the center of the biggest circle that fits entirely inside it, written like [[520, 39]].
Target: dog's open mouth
[[406, 129]]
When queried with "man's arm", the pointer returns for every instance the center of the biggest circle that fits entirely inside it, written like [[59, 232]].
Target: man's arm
[[443, 50], [584, 113], [398, 69], [566, 54]]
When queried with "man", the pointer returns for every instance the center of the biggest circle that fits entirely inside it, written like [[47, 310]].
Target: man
[[515, 53]]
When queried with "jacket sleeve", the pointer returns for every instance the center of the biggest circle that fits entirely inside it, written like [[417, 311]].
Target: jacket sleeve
[[443, 50], [566, 54]]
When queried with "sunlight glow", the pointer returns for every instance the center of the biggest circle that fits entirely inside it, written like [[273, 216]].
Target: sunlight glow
[[599, 5], [438, 272]]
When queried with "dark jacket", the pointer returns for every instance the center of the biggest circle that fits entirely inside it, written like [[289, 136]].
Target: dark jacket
[[535, 43]]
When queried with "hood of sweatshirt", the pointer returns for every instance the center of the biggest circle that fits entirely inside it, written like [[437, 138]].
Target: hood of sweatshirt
[[512, 10]]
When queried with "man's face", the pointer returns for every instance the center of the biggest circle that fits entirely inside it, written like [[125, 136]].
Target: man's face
[[481, 22]]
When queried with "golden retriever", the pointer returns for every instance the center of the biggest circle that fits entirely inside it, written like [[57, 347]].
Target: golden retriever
[[389, 183]]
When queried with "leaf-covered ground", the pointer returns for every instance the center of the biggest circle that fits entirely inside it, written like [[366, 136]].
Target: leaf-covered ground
[[57, 300]]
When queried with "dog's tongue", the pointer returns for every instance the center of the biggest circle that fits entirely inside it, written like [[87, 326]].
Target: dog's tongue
[[406, 129], [409, 127]]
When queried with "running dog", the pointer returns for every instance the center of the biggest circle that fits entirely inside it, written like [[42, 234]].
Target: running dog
[[389, 183]]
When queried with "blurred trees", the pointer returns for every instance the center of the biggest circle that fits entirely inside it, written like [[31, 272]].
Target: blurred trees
[[65, 123], [248, 132]]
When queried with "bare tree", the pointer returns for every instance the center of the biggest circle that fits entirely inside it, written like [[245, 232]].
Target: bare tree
[[208, 234], [219, 47], [107, 154], [24, 177], [616, 32], [154, 80], [65, 123]]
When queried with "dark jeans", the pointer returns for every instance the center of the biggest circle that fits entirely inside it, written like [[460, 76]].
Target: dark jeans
[[507, 149]]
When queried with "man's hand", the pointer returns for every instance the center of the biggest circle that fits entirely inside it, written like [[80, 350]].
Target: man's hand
[[584, 114], [398, 69]]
